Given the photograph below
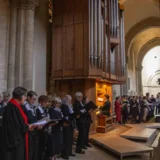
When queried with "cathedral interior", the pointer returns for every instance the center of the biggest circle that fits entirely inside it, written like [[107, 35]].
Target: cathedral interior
[[97, 47]]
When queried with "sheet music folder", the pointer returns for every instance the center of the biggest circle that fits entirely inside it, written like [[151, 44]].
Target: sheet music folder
[[46, 121], [90, 106]]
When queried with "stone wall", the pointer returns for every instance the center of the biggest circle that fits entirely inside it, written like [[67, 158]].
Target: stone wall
[[23, 48], [4, 26], [40, 48]]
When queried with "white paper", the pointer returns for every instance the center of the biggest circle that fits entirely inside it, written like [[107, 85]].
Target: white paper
[[82, 110], [40, 123]]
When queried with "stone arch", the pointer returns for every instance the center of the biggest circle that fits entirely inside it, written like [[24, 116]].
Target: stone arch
[[148, 46], [140, 27], [152, 76]]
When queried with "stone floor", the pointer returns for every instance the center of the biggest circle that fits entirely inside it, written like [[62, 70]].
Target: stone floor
[[96, 153]]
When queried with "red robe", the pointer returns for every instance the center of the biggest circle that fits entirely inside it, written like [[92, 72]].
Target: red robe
[[118, 110]]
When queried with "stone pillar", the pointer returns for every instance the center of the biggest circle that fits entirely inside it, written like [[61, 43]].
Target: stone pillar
[[28, 49], [139, 79], [28, 44], [20, 46], [12, 47]]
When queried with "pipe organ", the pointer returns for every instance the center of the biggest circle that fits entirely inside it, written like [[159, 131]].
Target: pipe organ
[[88, 45]]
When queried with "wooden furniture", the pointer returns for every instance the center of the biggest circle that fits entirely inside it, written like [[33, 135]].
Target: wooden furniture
[[121, 146], [86, 40], [109, 121], [101, 127], [87, 47], [104, 123]]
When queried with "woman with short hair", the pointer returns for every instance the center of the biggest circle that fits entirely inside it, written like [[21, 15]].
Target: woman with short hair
[[56, 138], [15, 128], [67, 110]]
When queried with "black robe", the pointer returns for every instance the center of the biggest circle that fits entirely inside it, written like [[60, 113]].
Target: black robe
[[14, 130], [81, 121], [68, 131], [33, 135], [2, 107], [43, 135], [57, 133]]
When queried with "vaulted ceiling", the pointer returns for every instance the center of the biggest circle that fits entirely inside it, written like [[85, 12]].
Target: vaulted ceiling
[[136, 11]]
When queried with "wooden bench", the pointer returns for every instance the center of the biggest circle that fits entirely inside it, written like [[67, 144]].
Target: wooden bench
[[104, 123]]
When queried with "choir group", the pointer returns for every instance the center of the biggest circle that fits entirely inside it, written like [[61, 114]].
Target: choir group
[[24, 137], [138, 109]]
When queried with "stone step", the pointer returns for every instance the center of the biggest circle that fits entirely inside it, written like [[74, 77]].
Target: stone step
[[121, 146], [138, 133]]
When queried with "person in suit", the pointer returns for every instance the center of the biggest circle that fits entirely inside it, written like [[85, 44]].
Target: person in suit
[[68, 113], [88, 123], [80, 113], [29, 109], [41, 113]]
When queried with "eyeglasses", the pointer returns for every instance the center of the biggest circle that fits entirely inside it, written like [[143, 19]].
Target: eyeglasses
[[34, 99]]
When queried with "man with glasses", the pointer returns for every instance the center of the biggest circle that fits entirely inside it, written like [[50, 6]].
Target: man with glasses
[[29, 108]]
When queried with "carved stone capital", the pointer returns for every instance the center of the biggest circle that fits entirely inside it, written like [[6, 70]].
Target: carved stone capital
[[139, 68], [25, 4]]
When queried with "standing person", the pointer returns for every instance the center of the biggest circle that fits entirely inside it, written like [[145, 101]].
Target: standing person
[[56, 138], [15, 128], [1, 106], [68, 113], [29, 108], [41, 113], [125, 113], [135, 110], [6, 97], [144, 110], [3, 103], [80, 113], [1, 98], [118, 109], [158, 104], [88, 123]]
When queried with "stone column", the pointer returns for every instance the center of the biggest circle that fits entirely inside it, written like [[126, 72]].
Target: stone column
[[139, 79], [20, 45], [28, 44], [12, 47]]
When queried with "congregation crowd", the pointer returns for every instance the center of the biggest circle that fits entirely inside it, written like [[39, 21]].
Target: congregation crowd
[[137, 109], [23, 138]]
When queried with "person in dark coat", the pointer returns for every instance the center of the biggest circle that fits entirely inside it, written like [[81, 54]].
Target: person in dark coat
[[80, 113], [41, 113], [15, 128], [56, 138], [105, 109], [29, 108], [4, 101], [88, 123], [68, 113], [134, 110], [125, 112]]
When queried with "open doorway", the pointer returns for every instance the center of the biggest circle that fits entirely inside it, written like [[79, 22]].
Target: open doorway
[[151, 71]]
